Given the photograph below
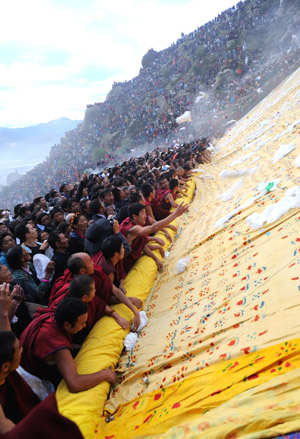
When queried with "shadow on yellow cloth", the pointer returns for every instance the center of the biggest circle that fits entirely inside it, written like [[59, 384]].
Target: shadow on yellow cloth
[[104, 344], [249, 415]]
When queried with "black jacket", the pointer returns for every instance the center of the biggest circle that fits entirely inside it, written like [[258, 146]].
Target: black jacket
[[97, 232]]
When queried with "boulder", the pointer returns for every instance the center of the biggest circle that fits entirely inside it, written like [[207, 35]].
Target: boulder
[[114, 92], [149, 58], [231, 44], [92, 114], [223, 77], [135, 127]]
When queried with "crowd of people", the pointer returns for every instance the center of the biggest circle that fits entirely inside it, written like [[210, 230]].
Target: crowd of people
[[66, 251], [140, 114], [64, 258]]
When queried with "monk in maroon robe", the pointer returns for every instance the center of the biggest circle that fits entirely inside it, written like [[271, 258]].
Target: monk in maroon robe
[[117, 270], [20, 409], [42, 338], [81, 287], [165, 198], [81, 263], [136, 232], [137, 245], [47, 344]]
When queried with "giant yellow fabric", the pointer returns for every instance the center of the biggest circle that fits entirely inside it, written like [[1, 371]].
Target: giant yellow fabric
[[240, 293], [248, 415], [104, 345], [223, 335], [184, 402]]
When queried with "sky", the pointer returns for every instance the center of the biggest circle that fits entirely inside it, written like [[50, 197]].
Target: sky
[[57, 56]]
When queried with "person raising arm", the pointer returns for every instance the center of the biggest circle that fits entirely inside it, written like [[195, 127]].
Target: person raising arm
[[136, 233], [6, 302], [139, 219]]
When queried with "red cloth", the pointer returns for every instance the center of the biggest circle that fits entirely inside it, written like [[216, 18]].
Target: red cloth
[[160, 208], [59, 283], [96, 307], [44, 421], [42, 337], [16, 397], [137, 244], [58, 296], [107, 267], [160, 198], [96, 310], [102, 283]]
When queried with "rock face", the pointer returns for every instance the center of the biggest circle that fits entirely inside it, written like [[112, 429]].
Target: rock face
[[149, 58], [135, 127], [114, 92], [12, 177], [91, 115], [223, 77]]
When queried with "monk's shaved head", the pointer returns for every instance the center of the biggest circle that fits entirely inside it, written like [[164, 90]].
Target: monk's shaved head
[[80, 262]]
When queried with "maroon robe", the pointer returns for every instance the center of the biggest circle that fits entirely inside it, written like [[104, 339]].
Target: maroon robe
[[16, 397], [43, 337], [161, 209], [96, 307], [43, 421], [117, 270], [58, 296], [137, 244], [102, 283], [59, 283]]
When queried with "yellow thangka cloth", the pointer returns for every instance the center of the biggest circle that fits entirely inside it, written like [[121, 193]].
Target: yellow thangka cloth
[[104, 344], [249, 415], [184, 402], [240, 292], [239, 295]]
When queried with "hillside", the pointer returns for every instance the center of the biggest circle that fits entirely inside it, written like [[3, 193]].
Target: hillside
[[218, 72]]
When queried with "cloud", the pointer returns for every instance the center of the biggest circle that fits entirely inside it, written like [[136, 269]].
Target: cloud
[[27, 106], [63, 54]]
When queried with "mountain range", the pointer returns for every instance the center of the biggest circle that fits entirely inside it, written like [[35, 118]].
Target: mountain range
[[33, 142]]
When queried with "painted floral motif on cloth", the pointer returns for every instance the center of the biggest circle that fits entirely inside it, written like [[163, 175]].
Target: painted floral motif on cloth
[[219, 357]]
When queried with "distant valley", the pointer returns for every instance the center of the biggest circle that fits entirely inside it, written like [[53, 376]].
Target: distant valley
[[23, 148]]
